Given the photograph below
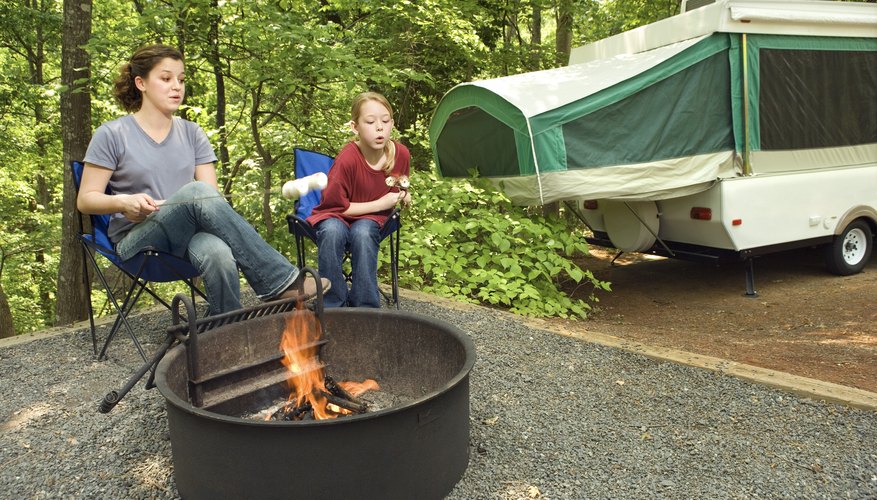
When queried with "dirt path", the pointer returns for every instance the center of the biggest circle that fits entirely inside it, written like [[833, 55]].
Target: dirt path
[[804, 321]]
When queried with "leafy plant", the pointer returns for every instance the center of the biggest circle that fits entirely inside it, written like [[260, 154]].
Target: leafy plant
[[464, 239]]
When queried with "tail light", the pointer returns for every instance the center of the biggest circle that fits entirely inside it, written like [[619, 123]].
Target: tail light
[[701, 213]]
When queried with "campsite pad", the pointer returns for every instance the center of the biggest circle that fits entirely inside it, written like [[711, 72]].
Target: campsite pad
[[804, 320], [552, 416]]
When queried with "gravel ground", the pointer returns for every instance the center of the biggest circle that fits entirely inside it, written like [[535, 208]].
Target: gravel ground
[[551, 417]]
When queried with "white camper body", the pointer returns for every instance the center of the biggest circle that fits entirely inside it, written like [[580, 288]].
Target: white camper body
[[783, 198], [731, 130], [742, 217]]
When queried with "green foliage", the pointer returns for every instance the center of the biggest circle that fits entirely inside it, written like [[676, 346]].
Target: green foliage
[[290, 69], [464, 239], [601, 19]]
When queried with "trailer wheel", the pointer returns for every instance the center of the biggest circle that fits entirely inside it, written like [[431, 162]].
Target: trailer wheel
[[850, 251]]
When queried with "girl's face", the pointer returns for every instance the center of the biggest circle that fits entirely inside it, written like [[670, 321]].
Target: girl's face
[[165, 86], [373, 125]]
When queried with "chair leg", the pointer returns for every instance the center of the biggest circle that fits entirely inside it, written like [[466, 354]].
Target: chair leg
[[119, 314], [394, 264], [393, 298], [86, 282], [394, 267], [131, 298], [300, 250]]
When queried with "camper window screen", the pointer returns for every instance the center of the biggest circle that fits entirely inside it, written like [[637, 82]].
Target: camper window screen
[[817, 98]]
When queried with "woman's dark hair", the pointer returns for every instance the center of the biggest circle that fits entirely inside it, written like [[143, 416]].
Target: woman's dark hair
[[141, 63]]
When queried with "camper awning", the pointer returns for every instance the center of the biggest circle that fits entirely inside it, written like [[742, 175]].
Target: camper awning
[[588, 129]]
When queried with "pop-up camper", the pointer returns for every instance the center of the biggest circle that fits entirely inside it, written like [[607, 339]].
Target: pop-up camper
[[729, 131]]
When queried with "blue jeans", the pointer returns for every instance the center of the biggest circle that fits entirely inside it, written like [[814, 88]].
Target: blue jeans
[[362, 239], [197, 224]]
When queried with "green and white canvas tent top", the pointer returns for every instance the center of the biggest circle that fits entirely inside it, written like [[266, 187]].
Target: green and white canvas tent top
[[667, 109]]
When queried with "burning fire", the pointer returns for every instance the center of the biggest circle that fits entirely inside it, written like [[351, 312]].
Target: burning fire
[[300, 345]]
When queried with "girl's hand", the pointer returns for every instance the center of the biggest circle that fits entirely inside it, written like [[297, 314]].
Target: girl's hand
[[406, 198], [137, 207], [389, 200]]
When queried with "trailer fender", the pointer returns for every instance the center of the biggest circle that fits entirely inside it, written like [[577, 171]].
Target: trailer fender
[[859, 212]]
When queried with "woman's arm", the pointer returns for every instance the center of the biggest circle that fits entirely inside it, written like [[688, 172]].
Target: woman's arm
[[206, 173], [93, 199]]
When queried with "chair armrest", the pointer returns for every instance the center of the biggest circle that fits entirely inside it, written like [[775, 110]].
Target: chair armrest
[[301, 227]]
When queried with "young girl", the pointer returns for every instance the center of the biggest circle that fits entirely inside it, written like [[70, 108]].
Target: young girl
[[150, 159], [357, 202]]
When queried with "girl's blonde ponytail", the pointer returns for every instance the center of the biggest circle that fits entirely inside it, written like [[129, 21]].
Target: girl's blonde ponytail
[[390, 153]]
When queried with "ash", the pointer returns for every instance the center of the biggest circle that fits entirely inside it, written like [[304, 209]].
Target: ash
[[381, 400]]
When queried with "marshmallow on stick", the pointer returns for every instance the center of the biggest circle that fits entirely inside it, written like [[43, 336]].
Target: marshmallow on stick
[[294, 190]]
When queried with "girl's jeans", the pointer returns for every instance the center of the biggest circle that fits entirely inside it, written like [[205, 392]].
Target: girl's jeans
[[334, 239], [197, 224]]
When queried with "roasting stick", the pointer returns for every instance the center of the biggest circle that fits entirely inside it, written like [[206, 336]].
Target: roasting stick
[[213, 197], [295, 189], [291, 190]]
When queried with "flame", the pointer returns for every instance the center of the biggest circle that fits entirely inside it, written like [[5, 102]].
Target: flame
[[300, 347], [357, 388]]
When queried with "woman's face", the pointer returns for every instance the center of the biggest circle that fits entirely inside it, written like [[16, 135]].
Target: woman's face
[[374, 125], [165, 86]]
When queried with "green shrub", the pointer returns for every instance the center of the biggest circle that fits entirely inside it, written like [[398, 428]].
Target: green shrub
[[464, 239]]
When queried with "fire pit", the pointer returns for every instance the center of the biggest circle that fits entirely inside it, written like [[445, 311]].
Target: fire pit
[[415, 449]]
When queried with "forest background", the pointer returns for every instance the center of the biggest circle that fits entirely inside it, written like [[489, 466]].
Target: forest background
[[267, 76]]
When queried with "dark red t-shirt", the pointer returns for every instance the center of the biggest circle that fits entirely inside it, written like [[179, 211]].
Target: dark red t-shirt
[[351, 180]]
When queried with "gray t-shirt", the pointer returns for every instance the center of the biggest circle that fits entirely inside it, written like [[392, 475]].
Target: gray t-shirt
[[141, 165]]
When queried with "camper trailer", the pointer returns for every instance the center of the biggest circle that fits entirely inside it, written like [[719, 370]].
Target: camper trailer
[[732, 130]]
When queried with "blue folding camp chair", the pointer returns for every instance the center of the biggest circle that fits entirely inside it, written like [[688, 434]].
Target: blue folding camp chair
[[148, 266], [309, 163]]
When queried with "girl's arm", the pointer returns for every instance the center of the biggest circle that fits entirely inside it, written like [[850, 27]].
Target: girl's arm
[[385, 202], [92, 198]]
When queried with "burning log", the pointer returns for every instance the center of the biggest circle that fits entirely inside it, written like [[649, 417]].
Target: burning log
[[293, 413], [341, 392], [345, 404], [339, 406]]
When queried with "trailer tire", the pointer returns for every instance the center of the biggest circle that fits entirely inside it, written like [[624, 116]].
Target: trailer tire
[[850, 251]]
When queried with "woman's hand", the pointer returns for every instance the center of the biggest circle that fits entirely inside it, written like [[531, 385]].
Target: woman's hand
[[137, 207]]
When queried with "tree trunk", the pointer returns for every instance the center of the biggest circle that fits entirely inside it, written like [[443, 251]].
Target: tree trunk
[[7, 326], [76, 133], [536, 38], [37, 58], [216, 62], [267, 161], [564, 31]]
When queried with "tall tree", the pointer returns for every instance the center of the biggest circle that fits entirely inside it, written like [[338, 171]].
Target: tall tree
[[215, 58], [7, 323], [29, 28], [564, 31], [76, 134], [536, 37]]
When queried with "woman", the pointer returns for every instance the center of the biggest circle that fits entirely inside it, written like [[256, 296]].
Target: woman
[[160, 169], [357, 202]]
